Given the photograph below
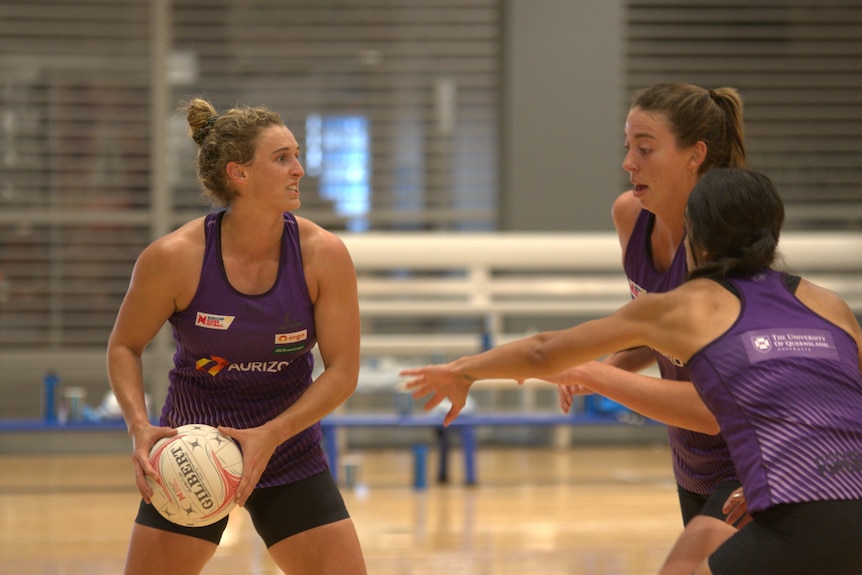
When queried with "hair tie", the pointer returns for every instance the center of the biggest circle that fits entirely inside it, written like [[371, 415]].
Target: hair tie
[[202, 132]]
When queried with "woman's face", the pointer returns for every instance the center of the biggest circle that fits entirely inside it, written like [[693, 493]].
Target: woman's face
[[275, 171], [662, 174]]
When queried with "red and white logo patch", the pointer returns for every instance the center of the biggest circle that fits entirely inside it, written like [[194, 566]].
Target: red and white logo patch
[[213, 321]]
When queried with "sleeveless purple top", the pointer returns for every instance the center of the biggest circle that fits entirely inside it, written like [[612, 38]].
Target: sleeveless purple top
[[700, 461], [241, 360], [785, 386]]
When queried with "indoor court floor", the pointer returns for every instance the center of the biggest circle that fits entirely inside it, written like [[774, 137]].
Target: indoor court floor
[[580, 510]]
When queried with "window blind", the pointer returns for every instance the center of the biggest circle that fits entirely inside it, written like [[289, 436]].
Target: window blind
[[395, 103], [74, 171], [798, 66]]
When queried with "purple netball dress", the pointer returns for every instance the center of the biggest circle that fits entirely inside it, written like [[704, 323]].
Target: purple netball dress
[[242, 360], [785, 386], [700, 461]]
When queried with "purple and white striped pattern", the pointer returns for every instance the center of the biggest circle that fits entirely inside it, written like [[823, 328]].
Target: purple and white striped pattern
[[785, 386], [700, 461], [243, 360]]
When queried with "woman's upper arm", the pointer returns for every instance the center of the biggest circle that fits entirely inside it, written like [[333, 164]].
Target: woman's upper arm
[[833, 307], [156, 284], [332, 287], [634, 324], [662, 321]]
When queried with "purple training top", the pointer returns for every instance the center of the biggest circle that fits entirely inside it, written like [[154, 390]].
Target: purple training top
[[700, 461], [242, 360], [785, 386]]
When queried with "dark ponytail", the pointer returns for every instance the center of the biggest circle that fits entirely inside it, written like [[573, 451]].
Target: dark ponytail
[[733, 221]]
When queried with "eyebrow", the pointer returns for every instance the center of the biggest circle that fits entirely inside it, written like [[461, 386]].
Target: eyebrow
[[286, 149]]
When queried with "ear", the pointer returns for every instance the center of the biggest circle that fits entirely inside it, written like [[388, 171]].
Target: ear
[[698, 154], [235, 172]]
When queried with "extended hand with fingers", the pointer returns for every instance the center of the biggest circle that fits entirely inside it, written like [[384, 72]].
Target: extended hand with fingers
[[440, 382]]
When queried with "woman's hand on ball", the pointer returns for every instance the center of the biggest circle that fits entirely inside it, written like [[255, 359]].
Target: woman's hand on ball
[[257, 445], [143, 439]]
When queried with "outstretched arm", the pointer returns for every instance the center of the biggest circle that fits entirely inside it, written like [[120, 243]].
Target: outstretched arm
[[571, 383], [675, 403], [537, 356], [672, 322]]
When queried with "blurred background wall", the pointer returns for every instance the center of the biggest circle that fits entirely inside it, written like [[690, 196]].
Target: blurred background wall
[[414, 115]]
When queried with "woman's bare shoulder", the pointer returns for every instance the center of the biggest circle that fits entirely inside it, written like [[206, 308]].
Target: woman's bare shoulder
[[692, 315], [625, 211], [176, 251], [829, 305], [316, 240]]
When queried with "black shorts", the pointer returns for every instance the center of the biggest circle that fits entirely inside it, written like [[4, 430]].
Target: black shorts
[[693, 504], [277, 512], [796, 539]]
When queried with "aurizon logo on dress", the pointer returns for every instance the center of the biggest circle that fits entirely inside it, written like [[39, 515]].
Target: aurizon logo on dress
[[214, 364]]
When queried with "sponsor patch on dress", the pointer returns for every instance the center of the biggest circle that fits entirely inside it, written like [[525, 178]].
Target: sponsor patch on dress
[[293, 337], [213, 321], [290, 342]]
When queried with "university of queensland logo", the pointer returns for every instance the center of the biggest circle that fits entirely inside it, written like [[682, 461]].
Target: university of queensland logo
[[761, 343]]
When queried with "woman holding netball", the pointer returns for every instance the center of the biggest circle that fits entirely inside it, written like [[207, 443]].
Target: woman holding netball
[[247, 286], [774, 357]]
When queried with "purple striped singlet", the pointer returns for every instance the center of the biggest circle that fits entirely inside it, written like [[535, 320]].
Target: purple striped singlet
[[700, 461], [241, 360], [785, 386]]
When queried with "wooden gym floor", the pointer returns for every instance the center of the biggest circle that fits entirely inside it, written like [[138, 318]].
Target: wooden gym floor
[[580, 510]]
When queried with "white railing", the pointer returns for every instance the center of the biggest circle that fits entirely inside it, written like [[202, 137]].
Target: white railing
[[493, 276]]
